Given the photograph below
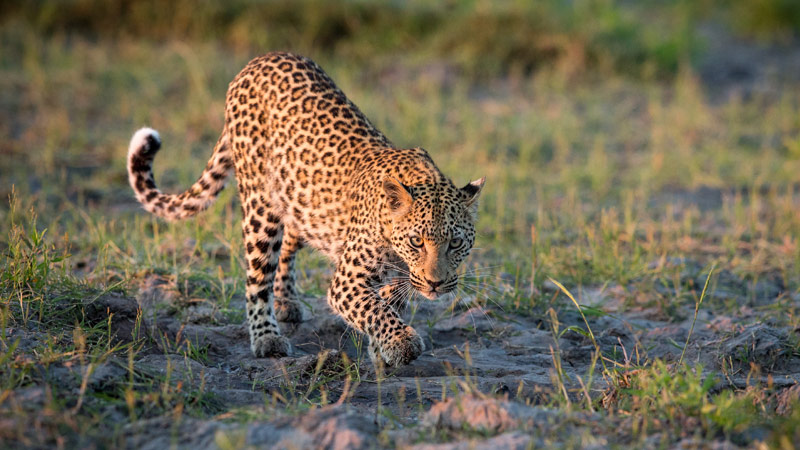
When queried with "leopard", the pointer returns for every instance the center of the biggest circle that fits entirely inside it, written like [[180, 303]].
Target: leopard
[[313, 171]]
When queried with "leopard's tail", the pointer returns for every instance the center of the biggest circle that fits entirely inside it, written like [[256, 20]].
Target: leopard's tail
[[143, 148]]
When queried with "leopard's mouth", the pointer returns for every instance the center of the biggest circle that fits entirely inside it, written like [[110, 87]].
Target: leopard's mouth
[[434, 293], [430, 294]]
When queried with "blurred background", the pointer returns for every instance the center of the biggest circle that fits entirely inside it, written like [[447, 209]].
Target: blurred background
[[611, 133]]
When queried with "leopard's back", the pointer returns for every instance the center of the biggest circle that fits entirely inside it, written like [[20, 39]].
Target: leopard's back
[[296, 136]]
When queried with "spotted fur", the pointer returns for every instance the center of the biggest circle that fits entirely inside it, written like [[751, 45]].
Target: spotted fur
[[312, 170]]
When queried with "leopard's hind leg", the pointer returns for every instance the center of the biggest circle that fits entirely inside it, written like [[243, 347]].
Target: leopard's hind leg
[[263, 233], [287, 306]]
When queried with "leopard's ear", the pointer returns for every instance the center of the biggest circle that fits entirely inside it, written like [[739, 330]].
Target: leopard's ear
[[472, 191], [398, 197]]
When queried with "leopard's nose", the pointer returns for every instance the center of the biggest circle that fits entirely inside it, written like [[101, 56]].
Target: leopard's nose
[[434, 284]]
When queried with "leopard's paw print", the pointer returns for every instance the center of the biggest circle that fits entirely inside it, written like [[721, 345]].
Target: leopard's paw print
[[270, 345], [400, 349], [288, 310]]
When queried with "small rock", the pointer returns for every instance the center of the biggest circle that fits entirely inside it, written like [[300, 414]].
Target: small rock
[[768, 289], [512, 440], [484, 414], [123, 311], [759, 343], [106, 376], [333, 427], [786, 398], [156, 290], [202, 313]]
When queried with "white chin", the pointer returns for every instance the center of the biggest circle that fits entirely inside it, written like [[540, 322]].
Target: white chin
[[430, 295]]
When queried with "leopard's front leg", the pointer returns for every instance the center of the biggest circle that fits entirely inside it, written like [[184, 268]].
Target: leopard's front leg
[[394, 287], [352, 297], [394, 293]]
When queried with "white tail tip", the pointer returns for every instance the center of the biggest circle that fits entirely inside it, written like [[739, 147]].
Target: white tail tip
[[140, 140]]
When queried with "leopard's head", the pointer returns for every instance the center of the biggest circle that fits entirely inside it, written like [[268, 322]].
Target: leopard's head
[[433, 229]]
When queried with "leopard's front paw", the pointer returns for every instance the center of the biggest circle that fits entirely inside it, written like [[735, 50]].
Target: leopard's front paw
[[270, 345], [399, 349], [288, 310]]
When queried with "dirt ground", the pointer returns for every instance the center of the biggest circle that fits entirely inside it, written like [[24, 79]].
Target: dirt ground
[[470, 351]]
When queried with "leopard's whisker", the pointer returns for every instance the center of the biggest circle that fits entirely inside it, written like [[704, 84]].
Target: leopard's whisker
[[489, 299], [396, 267], [490, 269], [473, 290], [482, 287], [482, 311]]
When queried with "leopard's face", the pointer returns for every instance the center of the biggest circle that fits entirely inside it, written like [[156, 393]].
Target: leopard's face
[[433, 230]]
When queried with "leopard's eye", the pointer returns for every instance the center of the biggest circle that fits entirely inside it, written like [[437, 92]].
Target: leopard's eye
[[415, 241], [456, 243]]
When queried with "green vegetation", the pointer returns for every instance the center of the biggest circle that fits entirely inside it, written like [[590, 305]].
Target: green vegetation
[[774, 20], [480, 37], [613, 168]]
